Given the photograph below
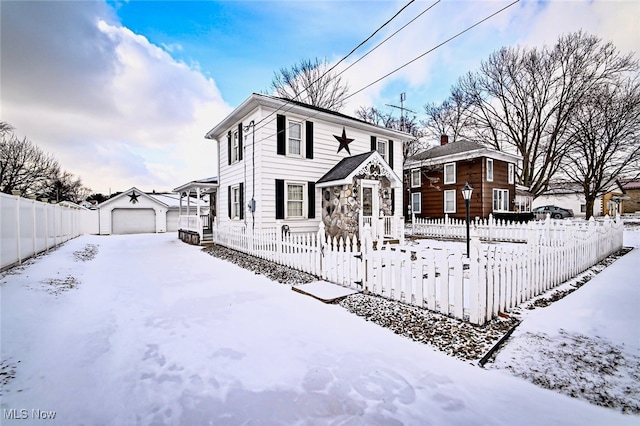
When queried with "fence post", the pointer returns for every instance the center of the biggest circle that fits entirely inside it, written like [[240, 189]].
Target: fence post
[[322, 242]]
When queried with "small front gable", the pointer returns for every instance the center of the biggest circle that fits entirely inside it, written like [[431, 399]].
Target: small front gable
[[370, 164]]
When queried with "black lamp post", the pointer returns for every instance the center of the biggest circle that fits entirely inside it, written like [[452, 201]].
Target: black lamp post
[[466, 194]]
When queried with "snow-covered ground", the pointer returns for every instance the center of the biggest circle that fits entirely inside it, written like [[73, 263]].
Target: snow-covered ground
[[144, 329]]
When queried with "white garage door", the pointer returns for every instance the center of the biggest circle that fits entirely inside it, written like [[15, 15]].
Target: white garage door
[[133, 221], [172, 220]]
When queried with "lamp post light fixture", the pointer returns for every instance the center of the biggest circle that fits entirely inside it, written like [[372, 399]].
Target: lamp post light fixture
[[466, 194]]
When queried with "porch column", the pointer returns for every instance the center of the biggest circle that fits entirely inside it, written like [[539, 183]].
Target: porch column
[[188, 201], [180, 205], [198, 200]]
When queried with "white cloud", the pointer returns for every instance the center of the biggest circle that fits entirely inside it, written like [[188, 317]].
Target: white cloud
[[112, 107]]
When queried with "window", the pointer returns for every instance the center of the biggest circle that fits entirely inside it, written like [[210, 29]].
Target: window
[[235, 148], [235, 202], [415, 178], [382, 148], [583, 208], [295, 200], [489, 170], [450, 173], [500, 200], [416, 202], [512, 173], [295, 138], [450, 201]]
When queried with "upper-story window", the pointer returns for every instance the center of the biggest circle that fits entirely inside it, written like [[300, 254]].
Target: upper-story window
[[489, 170], [415, 178], [235, 147], [382, 148], [295, 138], [450, 173], [512, 173]]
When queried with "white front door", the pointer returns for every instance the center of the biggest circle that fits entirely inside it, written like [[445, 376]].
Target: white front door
[[370, 205]]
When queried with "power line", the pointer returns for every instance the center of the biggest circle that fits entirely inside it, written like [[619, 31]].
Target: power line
[[432, 49], [400, 67], [342, 59]]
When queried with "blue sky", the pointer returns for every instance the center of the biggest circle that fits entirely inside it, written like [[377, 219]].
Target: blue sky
[[122, 93]]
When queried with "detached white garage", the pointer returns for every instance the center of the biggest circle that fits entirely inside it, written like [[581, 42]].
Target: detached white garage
[[133, 212]]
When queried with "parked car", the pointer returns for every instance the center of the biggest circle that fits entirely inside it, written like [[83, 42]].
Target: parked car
[[554, 211]]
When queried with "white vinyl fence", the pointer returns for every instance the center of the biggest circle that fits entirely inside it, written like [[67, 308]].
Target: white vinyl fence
[[495, 277], [29, 227]]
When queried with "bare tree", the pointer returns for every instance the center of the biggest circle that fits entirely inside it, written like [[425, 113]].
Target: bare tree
[[604, 136], [24, 166], [65, 187], [409, 125], [310, 82], [449, 118], [522, 100]]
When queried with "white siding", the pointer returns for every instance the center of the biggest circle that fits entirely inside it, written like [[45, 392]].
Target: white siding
[[270, 166], [123, 201]]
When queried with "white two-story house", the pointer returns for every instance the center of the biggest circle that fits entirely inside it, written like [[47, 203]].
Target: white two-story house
[[285, 163]]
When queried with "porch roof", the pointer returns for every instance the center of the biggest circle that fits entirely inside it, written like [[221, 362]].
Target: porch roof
[[347, 168], [207, 184]]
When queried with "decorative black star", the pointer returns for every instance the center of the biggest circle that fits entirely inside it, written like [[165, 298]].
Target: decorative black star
[[344, 141], [133, 197]]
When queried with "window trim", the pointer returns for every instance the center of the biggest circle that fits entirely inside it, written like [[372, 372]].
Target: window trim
[[505, 200], [450, 191], [490, 170], [385, 152], [413, 210], [512, 173], [288, 152], [235, 147], [235, 205], [303, 200], [415, 184], [446, 182]]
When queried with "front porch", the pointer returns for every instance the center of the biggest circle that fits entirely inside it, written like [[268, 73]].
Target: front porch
[[196, 218]]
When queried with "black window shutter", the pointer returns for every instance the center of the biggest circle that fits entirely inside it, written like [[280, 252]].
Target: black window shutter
[[240, 141], [311, 200], [229, 146], [241, 212], [279, 199], [309, 136], [373, 143], [229, 201], [281, 122], [391, 153]]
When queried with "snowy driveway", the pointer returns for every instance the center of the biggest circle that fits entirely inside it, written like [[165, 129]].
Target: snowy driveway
[[148, 330]]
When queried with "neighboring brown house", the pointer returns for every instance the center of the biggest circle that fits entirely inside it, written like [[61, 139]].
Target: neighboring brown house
[[631, 191], [433, 180]]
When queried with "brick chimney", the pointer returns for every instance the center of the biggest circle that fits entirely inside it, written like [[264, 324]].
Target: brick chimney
[[444, 139]]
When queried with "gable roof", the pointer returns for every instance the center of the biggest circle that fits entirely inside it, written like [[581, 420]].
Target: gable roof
[[458, 150], [347, 168], [130, 191], [284, 106]]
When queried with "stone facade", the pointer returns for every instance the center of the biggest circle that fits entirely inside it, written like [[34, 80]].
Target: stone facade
[[341, 205]]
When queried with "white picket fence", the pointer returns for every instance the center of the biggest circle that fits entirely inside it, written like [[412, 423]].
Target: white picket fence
[[29, 227], [494, 278], [488, 229]]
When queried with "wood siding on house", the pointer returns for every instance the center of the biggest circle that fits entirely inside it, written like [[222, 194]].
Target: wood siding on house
[[271, 166], [472, 171]]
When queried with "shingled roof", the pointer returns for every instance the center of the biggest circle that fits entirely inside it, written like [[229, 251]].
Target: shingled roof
[[456, 147], [345, 167]]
